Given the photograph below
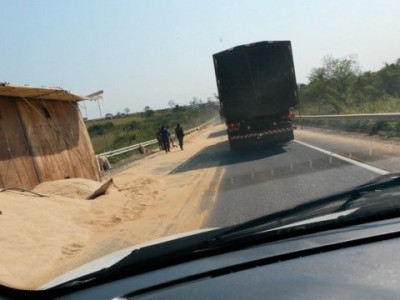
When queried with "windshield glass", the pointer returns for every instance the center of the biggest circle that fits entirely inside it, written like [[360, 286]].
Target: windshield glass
[[123, 122]]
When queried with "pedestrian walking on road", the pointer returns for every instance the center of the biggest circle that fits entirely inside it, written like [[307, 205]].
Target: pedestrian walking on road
[[165, 138], [171, 140], [179, 134], [159, 139]]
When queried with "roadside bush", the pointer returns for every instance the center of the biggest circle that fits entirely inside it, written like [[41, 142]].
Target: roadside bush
[[98, 129], [123, 140], [375, 127], [95, 129], [131, 126], [381, 128]]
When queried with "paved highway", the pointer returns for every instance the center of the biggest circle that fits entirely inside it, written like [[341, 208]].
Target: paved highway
[[265, 181]]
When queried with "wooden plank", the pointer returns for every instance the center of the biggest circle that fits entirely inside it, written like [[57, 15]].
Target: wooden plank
[[101, 190], [16, 165], [16, 92]]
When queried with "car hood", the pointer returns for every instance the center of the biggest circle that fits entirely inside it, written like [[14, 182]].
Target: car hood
[[112, 258]]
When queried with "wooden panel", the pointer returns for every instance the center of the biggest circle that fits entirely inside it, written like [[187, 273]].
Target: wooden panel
[[57, 140], [86, 148], [81, 157], [16, 165]]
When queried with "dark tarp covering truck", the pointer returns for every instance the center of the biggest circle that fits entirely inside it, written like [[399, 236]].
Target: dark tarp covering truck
[[257, 91]]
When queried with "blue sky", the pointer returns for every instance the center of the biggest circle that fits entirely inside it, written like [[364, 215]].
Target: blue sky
[[152, 51]]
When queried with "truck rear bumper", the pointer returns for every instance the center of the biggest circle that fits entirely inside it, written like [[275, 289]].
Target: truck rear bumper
[[260, 140], [283, 132]]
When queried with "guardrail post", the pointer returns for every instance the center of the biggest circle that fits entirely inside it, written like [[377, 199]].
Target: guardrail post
[[141, 149]]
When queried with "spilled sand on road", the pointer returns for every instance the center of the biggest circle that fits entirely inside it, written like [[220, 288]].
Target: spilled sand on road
[[44, 237]]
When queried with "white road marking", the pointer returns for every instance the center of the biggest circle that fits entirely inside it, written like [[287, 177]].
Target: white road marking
[[344, 158]]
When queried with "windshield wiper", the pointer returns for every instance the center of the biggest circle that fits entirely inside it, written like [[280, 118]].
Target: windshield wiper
[[380, 183], [328, 205], [382, 178]]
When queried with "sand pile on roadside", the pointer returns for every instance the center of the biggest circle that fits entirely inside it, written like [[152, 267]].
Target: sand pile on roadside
[[46, 234], [43, 237], [35, 232], [77, 188]]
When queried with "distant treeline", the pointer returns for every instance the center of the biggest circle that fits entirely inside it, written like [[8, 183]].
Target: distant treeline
[[339, 87]]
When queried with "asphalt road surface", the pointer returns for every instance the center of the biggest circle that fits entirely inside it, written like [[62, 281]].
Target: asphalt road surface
[[264, 181]]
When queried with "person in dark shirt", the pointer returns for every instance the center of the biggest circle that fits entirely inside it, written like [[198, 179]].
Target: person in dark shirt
[[165, 138], [179, 135], [159, 139]]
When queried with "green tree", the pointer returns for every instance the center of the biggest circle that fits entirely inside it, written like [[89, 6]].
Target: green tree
[[390, 78], [334, 82], [148, 112]]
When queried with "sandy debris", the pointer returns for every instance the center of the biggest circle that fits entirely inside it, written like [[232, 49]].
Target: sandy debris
[[44, 237], [77, 188]]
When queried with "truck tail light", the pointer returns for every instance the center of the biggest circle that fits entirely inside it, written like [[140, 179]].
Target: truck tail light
[[288, 116], [233, 125]]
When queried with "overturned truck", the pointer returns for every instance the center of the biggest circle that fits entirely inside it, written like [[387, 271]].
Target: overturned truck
[[42, 137]]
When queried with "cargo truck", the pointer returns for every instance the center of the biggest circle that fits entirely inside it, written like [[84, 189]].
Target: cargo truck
[[257, 92]]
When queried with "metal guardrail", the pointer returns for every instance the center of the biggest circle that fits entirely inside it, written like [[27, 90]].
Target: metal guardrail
[[355, 117], [151, 142]]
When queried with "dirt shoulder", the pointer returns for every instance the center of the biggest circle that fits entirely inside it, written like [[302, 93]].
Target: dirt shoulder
[[44, 237]]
